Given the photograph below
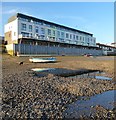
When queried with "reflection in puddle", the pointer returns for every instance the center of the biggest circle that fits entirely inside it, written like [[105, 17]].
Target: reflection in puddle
[[42, 69], [96, 75], [82, 73], [103, 78], [61, 71], [81, 107]]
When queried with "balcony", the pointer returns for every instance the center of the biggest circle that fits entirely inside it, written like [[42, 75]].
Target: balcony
[[24, 36], [41, 37]]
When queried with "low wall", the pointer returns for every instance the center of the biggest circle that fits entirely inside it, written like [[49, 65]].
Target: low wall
[[38, 49], [109, 53], [10, 49]]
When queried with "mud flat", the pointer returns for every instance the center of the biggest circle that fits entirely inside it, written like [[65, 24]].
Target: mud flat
[[28, 96]]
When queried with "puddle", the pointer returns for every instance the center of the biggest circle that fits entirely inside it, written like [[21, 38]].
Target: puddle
[[81, 73], [61, 71], [96, 75], [83, 107], [103, 78]]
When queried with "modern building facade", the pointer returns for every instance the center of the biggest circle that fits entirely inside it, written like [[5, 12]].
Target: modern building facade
[[23, 26], [28, 30]]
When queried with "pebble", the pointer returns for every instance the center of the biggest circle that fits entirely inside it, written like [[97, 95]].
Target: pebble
[[27, 96]]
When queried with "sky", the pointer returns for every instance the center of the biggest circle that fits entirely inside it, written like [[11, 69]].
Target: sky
[[93, 17]]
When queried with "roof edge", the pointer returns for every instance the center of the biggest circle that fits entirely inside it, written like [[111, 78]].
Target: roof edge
[[31, 17]]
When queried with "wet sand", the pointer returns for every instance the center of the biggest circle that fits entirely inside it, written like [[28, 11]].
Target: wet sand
[[27, 96]]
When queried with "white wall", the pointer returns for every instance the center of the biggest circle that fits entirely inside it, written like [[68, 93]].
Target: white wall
[[9, 47], [12, 26]]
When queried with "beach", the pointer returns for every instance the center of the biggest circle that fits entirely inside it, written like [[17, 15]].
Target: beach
[[26, 95]]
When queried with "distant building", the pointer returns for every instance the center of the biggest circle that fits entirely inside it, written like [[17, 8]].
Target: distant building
[[2, 45], [22, 30], [107, 49], [113, 44], [1, 39]]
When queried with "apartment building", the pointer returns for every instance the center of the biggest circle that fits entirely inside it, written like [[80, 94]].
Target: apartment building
[[23, 26], [26, 35]]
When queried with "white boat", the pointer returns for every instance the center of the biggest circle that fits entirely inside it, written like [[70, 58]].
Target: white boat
[[42, 60], [42, 69]]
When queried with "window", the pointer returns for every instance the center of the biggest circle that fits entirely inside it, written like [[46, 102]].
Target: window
[[49, 32], [36, 29], [35, 22], [62, 34], [67, 35], [52, 26], [76, 37], [58, 33], [88, 39], [23, 26], [24, 34], [53, 32], [80, 37], [23, 19], [30, 28], [70, 36], [43, 30]]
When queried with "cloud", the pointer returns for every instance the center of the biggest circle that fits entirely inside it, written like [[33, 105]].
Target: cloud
[[12, 11]]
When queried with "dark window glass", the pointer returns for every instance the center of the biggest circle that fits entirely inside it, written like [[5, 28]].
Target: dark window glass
[[30, 28], [67, 35], [36, 29], [70, 36], [23, 26], [54, 33], [58, 33], [43, 30], [49, 32], [62, 34], [76, 37]]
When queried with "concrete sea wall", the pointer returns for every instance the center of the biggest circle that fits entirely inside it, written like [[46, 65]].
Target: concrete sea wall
[[53, 50]]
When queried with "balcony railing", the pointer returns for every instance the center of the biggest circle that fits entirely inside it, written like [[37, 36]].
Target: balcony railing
[[29, 36], [55, 40]]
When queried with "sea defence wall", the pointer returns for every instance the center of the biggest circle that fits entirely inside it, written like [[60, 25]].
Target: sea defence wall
[[52, 50]]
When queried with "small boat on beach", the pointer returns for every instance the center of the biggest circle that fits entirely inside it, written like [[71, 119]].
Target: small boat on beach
[[42, 60]]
